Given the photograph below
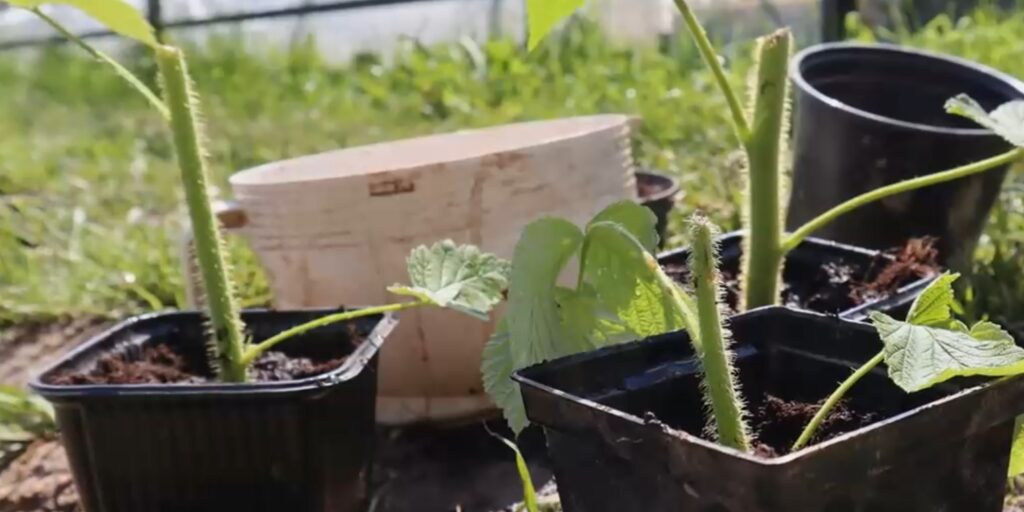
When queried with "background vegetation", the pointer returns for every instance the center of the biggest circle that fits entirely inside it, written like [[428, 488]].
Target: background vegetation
[[89, 215]]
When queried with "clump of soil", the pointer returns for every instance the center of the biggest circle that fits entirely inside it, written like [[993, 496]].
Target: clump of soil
[[162, 364], [916, 259], [39, 481], [778, 423]]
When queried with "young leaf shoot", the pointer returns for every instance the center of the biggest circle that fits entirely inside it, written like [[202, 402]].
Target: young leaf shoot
[[931, 347], [621, 294]]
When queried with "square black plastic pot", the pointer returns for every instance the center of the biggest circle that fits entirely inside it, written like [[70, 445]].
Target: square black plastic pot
[[943, 449], [804, 265], [302, 445]]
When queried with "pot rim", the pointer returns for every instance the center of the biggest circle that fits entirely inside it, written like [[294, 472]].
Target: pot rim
[[856, 313], [797, 76], [668, 193], [803, 453], [354, 364]]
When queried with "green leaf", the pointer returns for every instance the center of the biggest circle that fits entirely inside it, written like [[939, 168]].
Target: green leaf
[[120, 70], [932, 307], [535, 326], [989, 331], [543, 15], [496, 368], [622, 295], [459, 277], [1007, 120], [529, 493], [637, 219], [1017, 450], [920, 356], [626, 279], [531, 331], [117, 15], [588, 323]]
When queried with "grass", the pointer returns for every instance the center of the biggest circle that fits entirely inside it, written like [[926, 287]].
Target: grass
[[90, 207]]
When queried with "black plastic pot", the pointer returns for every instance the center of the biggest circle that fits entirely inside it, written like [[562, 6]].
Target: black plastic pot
[[869, 116], [303, 445], [811, 261], [944, 449], [658, 192]]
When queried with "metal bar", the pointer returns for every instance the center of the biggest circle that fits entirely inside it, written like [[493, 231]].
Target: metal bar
[[155, 14], [230, 18], [833, 18]]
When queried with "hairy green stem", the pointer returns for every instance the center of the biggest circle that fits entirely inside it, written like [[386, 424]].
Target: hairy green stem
[[707, 52], [762, 257], [822, 220], [834, 399], [227, 341], [720, 386], [255, 351], [121, 71]]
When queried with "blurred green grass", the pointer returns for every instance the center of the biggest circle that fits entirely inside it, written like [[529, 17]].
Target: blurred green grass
[[90, 209]]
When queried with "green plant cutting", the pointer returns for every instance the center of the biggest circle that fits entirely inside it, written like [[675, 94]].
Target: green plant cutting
[[761, 130], [444, 275]]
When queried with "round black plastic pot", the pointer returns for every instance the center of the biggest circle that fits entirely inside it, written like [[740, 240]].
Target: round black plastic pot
[[817, 263], [869, 116], [943, 449], [302, 445], [658, 192]]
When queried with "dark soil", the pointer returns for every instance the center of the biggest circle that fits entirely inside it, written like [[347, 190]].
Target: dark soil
[[417, 470], [778, 423], [27, 348], [39, 481], [833, 286], [162, 364], [916, 259]]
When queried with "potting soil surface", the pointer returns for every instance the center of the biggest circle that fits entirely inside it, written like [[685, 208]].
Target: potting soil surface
[[162, 364], [836, 286]]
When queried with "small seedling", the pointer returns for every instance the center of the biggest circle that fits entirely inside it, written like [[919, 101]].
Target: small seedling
[[619, 294], [930, 347], [762, 134], [444, 275]]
